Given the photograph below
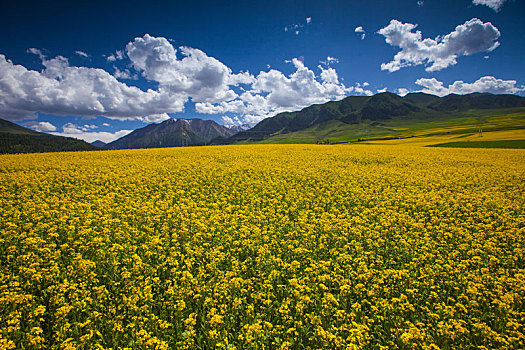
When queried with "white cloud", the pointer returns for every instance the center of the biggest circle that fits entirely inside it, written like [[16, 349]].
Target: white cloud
[[496, 5], [36, 51], [72, 130], [82, 54], [105, 124], [124, 74], [87, 127], [241, 78], [296, 28], [483, 84], [360, 89], [65, 90], [273, 92], [155, 118], [179, 74], [41, 126], [203, 78], [61, 89], [299, 89], [381, 90], [231, 121], [329, 61], [469, 38], [361, 31], [118, 55], [329, 75], [402, 91]]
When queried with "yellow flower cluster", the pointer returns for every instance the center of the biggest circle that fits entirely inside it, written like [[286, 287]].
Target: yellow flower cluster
[[263, 247]]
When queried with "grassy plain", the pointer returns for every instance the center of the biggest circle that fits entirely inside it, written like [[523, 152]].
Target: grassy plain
[[264, 246], [473, 137], [516, 144], [400, 127]]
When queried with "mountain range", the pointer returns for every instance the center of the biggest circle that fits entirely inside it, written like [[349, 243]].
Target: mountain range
[[384, 115], [378, 114], [172, 133], [347, 119], [98, 143]]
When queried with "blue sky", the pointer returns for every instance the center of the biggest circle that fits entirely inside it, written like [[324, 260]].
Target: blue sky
[[96, 71]]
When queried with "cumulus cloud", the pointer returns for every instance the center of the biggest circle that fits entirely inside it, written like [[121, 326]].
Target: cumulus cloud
[[62, 89], [124, 74], [178, 74], [361, 31], [469, 38], [231, 121], [203, 78], [483, 84], [496, 5], [244, 78], [273, 92], [75, 131], [329, 75], [41, 126], [299, 89]]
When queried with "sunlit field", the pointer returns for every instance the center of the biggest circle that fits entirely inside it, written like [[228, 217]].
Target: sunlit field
[[264, 247], [500, 136]]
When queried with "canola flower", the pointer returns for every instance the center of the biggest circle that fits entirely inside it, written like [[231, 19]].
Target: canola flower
[[263, 247]]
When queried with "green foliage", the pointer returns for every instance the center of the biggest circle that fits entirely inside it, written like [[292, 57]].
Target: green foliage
[[27, 143], [516, 144]]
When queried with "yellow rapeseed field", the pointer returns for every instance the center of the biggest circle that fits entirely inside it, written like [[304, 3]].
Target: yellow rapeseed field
[[263, 247]]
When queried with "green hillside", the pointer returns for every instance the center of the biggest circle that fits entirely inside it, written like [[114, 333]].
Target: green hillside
[[399, 127], [387, 115], [17, 139]]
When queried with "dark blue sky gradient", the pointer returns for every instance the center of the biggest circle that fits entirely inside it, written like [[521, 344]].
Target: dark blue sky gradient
[[249, 35]]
